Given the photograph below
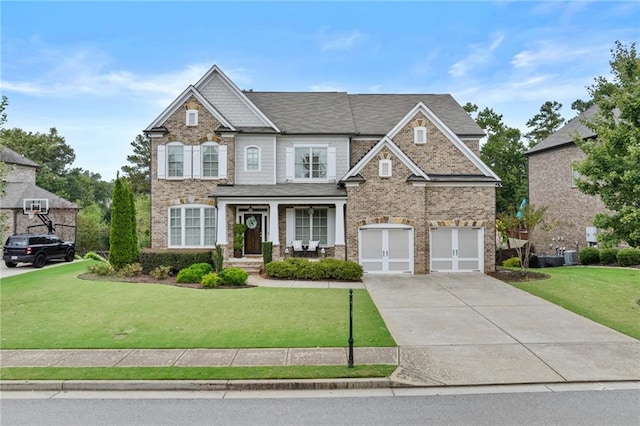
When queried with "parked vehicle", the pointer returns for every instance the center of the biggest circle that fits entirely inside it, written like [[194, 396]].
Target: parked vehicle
[[36, 249]]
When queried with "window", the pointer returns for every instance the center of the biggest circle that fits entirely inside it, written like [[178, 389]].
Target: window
[[311, 225], [210, 160], [175, 160], [192, 117], [310, 163], [252, 158], [192, 226], [420, 135], [575, 177], [384, 167]]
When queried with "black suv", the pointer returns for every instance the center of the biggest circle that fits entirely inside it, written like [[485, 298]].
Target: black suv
[[36, 249]]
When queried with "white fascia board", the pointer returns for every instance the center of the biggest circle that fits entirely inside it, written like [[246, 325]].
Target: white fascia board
[[421, 107], [282, 200], [177, 103], [235, 89], [385, 142], [467, 184]]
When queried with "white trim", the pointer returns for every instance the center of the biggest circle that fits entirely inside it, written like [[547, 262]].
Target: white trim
[[388, 143], [455, 258], [234, 89], [246, 163], [188, 160], [463, 184], [189, 114], [201, 161], [384, 258], [222, 161], [180, 100], [184, 159], [420, 135], [421, 107], [196, 162], [384, 168]]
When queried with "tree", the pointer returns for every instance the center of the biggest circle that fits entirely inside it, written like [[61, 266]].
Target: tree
[[139, 172], [544, 123], [581, 106], [143, 216], [122, 244], [504, 153], [611, 168], [93, 231], [514, 224]]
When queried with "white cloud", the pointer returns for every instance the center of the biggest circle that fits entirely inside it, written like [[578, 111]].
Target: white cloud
[[547, 53], [480, 54], [338, 41], [326, 87]]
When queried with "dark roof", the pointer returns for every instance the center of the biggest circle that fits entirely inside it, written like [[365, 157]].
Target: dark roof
[[461, 178], [342, 113], [566, 134], [9, 156], [281, 190], [15, 192]]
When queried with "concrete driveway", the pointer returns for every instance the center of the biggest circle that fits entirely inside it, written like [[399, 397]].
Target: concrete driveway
[[466, 329]]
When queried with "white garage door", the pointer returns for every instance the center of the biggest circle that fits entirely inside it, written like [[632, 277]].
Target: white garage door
[[457, 249], [385, 249]]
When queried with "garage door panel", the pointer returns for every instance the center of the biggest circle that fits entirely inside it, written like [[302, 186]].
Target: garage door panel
[[398, 244], [468, 242], [456, 249], [386, 250], [372, 266], [371, 247]]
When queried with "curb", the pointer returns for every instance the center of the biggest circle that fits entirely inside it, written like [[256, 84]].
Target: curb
[[193, 385]]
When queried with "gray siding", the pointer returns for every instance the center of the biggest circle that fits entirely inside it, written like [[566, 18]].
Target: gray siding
[[266, 174], [341, 143], [229, 105]]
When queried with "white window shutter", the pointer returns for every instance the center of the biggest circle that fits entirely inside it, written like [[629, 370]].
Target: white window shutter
[[331, 227], [187, 162], [291, 164], [197, 162], [331, 163], [291, 226], [162, 161], [222, 161]]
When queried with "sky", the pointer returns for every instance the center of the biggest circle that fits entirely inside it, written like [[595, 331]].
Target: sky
[[101, 72]]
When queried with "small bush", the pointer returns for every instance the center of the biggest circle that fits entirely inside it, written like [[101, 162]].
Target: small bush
[[267, 252], [101, 268], [628, 257], [161, 272], [210, 280], [94, 256], [608, 256], [300, 268], [130, 270], [194, 273], [513, 262], [234, 276], [589, 256]]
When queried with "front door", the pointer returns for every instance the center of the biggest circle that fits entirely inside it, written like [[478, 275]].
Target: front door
[[253, 234]]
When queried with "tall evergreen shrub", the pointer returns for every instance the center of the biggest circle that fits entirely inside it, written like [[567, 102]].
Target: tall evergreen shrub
[[121, 235]]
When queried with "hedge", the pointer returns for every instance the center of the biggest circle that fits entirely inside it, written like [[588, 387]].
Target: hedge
[[589, 256], [174, 259], [628, 257], [304, 269], [608, 256]]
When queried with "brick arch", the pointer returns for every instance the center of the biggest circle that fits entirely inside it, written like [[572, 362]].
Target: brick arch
[[455, 223], [386, 219]]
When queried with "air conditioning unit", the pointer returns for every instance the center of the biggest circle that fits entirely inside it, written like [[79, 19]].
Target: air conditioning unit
[[570, 257]]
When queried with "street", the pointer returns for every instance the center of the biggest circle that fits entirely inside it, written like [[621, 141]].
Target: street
[[527, 406]]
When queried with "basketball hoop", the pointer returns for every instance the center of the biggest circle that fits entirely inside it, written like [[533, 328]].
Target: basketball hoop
[[31, 213]]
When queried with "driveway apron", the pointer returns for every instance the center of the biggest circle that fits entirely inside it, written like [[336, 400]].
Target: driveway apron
[[471, 329]]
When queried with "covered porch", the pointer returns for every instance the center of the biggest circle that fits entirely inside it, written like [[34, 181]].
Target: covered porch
[[288, 215]]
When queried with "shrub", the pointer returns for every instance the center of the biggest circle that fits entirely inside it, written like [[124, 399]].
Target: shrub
[[176, 260], [161, 272], [300, 268], [101, 268], [513, 262], [94, 256], [233, 276], [267, 252], [210, 280], [130, 270], [589, 256], [194, 273], [218, 258], [608, 256], [628, 257]]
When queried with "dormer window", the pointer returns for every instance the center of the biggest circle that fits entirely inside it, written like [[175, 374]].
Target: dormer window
[[192, 117], [419, 135], [384, 168]]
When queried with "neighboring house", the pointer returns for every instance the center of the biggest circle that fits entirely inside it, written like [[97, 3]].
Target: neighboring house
[[21, 185], [552, 183], [393, 182]]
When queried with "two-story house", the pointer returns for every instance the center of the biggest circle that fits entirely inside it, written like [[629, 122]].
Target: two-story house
[[393, 182], [552, 183]]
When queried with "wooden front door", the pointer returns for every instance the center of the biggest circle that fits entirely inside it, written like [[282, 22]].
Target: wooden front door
[[253, 234]]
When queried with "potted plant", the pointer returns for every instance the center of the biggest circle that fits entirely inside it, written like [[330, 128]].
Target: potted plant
[[238, 239]]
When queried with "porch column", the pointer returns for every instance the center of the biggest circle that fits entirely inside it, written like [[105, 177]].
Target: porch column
[[274, 231], [222, 223], [339, 237]]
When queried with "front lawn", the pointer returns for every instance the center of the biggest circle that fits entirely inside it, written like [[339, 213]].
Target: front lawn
[[610, 296], [52, 308]]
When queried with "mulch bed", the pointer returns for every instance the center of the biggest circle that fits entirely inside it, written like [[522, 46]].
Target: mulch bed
[[148, 279], [508, 275]]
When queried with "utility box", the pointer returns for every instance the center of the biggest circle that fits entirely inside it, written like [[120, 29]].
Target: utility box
[[592, 234]]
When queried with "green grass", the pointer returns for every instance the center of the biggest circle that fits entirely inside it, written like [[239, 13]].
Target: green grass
[[610, 296], [52, 308], [195, 373]]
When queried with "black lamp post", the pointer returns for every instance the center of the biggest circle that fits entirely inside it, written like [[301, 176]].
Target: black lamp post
[[350, 361]]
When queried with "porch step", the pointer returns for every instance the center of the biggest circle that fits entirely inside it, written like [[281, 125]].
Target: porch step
[[253, 264]]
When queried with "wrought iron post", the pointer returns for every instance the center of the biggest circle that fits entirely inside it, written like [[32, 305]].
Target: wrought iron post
[[350, 361]]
